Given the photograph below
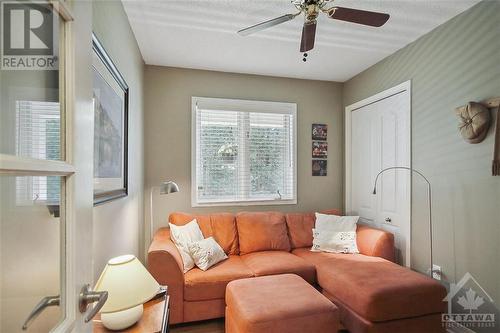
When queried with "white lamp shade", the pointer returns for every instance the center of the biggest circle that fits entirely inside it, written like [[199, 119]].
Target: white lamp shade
[[169, 187], [127, 282]]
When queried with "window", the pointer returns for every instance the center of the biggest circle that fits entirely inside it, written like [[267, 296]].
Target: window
[[243, 152], [38, 137]]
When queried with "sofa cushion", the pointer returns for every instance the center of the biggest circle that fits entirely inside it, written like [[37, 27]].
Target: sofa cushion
[[375, 288], [262, 231], [220, 226], [211, 284], [300, 227], [279, 262]]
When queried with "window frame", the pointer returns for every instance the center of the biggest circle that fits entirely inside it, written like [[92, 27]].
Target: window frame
[[33, 95], [241, 105]]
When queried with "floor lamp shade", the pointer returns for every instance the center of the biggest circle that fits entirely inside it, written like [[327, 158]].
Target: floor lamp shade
[[168, 187], [127, 282], [165, 188]]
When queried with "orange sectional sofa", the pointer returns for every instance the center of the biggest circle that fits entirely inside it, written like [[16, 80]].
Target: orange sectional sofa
[[373, 294]]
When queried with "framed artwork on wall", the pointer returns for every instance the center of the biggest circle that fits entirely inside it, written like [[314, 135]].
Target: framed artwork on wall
[[110, 95], [319, 149], [319, 167], [319, 132]]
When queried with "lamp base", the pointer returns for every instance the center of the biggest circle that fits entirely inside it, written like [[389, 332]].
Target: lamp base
[[122, 319]]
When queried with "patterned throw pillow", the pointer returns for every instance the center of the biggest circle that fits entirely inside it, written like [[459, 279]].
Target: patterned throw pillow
[[206, 253], [184, 235], [335, 234]]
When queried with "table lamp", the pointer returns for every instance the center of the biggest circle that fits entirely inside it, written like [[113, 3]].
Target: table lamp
[[129, 285]]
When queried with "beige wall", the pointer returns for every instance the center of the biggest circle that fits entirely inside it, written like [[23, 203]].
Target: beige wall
[[167, 97], [456, 63], [118, 224]]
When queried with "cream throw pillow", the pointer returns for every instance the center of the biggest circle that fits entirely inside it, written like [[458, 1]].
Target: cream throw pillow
[[206, 253], [335, 234], [184, 235]]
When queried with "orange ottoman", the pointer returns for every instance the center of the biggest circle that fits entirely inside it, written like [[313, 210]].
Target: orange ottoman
[[278, 304]]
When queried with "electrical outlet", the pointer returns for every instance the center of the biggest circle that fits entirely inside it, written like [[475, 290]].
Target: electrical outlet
[[436, 272]]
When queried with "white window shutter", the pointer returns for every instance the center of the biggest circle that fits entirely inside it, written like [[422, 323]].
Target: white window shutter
[[38, 136], [244, 152]]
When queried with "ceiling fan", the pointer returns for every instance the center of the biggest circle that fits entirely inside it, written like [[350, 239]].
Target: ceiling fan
[[311, 10]]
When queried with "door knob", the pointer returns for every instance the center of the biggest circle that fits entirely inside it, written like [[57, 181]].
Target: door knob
[[87, 296], [388, 220], [42, 305]]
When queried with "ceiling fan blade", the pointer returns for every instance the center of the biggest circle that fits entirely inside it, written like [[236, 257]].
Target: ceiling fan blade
[[365, 17], [266, 24], [308, 36]]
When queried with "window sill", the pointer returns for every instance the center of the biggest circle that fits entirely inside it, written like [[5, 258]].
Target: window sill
[[245, 203]]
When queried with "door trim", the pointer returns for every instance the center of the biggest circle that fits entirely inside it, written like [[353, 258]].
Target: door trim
[[405, 86]]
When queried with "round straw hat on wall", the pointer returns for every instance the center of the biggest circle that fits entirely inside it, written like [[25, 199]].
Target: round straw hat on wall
[[474, 122]]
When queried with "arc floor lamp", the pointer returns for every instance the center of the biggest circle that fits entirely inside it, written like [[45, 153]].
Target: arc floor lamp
[[429, 195], [165, 188]]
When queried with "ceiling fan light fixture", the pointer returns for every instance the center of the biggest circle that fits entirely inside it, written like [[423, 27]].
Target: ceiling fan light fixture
[[311, 12]]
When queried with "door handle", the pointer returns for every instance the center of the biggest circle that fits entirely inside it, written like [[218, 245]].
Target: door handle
[[42, 305], [87, 296]]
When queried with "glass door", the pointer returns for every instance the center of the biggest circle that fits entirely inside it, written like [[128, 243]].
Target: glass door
[[35, 168]]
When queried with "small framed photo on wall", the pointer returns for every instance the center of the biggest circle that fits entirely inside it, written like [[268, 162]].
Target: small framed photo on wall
[[319, 132], [319, 167], [319, 149]]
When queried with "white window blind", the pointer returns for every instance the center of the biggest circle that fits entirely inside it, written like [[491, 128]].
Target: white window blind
[[38, 136], [243, 152]]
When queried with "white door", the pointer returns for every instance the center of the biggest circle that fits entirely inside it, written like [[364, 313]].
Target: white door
[[45, 172], [378, 137]]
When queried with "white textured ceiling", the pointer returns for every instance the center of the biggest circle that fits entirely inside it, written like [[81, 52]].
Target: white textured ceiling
[[202, 34]]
